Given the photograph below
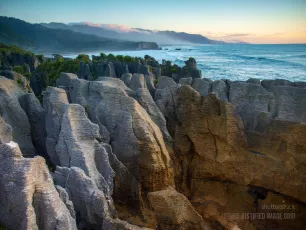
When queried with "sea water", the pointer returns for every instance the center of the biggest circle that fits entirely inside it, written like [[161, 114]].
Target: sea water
[[237, 61]]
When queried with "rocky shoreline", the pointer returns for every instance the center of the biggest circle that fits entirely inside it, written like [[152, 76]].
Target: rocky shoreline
[[129, 144]]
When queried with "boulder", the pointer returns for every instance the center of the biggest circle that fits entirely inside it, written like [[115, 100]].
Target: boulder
[[29, 199], [220, 88], [65, 79], [126, 78], [185, 81], [164, 82], [289, 103], [137, 81], [250, 102], [174, 211], [203, 86]]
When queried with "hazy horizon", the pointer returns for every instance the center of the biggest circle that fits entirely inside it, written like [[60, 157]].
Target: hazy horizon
[[260, 22]]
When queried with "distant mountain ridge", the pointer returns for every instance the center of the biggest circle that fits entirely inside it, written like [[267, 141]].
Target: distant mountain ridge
[[39, 38], [134, 34]]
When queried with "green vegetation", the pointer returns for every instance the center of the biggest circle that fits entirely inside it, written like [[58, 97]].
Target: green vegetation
[[112, 57], [191, 59], [5, 50], [40, 58], [84, 58], [22, 69], [174, 70], [2, 227], [19, 81], [51, 69]]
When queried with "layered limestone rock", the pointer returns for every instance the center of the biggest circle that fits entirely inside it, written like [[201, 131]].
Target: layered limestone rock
[[84, 166], [36, 115], [174, 211], [135, 138], [5, 132], [13, 114], [185, 81], [78, 146], [137, 81], [54, 102], [29, 199], [164, 82], [145, 99], [215, 157]]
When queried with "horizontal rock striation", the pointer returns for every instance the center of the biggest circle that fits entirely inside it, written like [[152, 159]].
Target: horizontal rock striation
[[29, 199], [240, 146], [130, 151]]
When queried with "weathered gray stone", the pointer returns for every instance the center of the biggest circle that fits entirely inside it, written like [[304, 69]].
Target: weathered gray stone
[[202, 86], [135, 138], [164, 82], [65, 198], [186, 81], [77, 146], [137, 81], [290, 103], [14, 115], [254, 81], [126, 78], [54, 101], [36, 115], [301, 84], [249, 101], [5, 132], [220, 88], [150, 83], [65, 79], [29, 199], [89, 202], [165, 101], [84, 72], [277, 82], [146, 101]]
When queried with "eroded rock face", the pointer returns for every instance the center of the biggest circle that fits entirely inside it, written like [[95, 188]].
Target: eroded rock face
[[216, 157], [134, 137], [77, 146], [36, 115], [146, 101], [174, 211], [164, 82], [137, 81], [13, 114], [29, 199], [54, 102], [5, 132]]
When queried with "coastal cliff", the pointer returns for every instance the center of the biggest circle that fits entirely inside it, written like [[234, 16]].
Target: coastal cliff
[[134, 144]]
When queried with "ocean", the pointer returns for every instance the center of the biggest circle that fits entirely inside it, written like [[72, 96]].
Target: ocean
[[237, 61]]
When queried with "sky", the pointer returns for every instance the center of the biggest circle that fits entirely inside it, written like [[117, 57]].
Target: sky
[[254, 21]]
